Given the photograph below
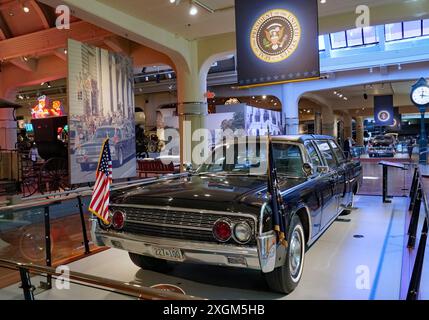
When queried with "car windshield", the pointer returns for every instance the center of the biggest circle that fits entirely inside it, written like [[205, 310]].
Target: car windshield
[[237, 159], [102, 133]]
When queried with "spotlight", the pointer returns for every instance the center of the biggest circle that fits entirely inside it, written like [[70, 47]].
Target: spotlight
[[49, 84], [399, 67], [169, 76], [146, 78], [172, 1], [322, 1], [65, 51], [264, 97], [25, 59], [25, 9], [193, 10]]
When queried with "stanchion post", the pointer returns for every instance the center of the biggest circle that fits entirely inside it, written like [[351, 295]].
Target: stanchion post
[[385, 182], [26, 284], [414, 222], [48, 245], [82, 220], [413, 191], [414, 288]]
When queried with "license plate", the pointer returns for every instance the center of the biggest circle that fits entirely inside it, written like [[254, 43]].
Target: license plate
[[171, 254]]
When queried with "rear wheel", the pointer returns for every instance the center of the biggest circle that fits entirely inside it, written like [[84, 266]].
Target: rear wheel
[[149, 263], [285, 279]]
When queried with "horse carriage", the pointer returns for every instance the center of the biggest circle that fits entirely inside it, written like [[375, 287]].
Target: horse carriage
[[45, 166]]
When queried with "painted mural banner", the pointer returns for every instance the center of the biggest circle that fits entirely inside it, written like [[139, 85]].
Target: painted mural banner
[[101, 99], [279, 39]]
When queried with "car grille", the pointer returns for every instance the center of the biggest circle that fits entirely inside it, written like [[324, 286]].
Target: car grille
[[176, 224]]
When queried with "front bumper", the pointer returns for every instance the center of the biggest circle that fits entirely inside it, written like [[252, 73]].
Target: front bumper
[[262, 257]]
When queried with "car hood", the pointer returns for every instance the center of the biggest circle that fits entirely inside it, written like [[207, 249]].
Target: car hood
[[244, 194]]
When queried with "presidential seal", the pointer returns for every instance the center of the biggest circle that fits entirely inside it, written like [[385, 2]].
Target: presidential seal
[[275, 35]]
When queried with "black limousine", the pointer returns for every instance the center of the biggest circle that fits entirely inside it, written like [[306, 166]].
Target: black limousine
[[220, 214]]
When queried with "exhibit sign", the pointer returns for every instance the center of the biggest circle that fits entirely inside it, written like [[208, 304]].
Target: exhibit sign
[[383, 110], [279, 39], [101, 103]]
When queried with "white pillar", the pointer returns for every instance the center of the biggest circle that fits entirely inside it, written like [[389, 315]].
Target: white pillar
[[192, 109], [290, 109]]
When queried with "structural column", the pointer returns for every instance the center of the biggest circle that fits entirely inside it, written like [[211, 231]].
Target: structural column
[[290, 109], [318, 122], [348, 123], [193, 110], [359, 131], [328, 122]]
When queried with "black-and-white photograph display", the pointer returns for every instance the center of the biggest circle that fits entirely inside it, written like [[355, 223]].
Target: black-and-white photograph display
[[101, 98]]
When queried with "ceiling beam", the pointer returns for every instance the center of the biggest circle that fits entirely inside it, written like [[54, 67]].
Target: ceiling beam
[[42, 13], [5, 32], [29, 65], [47, 41], [60, 54], [118, 44]]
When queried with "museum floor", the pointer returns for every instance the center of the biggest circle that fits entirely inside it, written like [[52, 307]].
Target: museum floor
[[370, 239]]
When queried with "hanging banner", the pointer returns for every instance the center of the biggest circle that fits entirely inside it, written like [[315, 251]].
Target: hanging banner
[[383, 111], [277, 41]]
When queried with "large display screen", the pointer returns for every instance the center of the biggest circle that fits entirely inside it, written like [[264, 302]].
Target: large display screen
[[277, 41], [101, 99]]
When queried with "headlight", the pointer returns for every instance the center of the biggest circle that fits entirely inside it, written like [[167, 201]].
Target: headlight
[[242, 232]]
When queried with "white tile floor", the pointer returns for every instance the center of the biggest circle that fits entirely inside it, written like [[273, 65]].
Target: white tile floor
[[333, 265]]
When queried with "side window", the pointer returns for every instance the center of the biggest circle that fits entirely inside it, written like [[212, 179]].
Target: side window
[[288, 159], [327, 153], [338, 152], [314, 156]]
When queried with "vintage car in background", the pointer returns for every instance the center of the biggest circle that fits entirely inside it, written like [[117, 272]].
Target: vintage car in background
[[122, 146], [220, 214], [382, 146]]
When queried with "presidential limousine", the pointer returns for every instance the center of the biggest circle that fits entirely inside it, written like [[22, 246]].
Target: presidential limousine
[[220, 214]]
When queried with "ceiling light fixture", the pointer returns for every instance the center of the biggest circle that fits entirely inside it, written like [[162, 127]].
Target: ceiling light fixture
[[322, 1], [193, 9], [25, 8]]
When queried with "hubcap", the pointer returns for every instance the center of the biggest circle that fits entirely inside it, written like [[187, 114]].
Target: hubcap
[[295, 253]]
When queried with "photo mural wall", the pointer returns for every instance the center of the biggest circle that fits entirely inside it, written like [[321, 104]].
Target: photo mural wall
[[101, 100]]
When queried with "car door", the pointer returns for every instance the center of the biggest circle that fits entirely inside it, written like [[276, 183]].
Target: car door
[[342, 178], [328, 183]]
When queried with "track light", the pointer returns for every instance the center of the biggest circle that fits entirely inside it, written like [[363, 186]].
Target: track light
[[25, 9], [49, 84], [193, 11]]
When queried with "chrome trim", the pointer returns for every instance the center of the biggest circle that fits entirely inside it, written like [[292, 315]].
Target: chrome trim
[[169, 225], [193, 251], [202, 211], [267, 251]]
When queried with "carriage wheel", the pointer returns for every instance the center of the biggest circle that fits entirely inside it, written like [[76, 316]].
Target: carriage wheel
[[54, 176], [29, 186]]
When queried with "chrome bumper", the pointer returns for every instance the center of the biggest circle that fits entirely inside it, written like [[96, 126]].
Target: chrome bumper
[[262, 257]]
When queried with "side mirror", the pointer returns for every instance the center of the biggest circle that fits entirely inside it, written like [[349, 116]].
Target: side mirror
[[323, 169], [308, 169], [188, 167]]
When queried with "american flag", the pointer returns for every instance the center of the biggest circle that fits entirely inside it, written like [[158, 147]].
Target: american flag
[[100, 197]]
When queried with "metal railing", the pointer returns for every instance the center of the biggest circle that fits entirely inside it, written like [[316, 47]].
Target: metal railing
[[45, 202], [418, 197], [124, 288]]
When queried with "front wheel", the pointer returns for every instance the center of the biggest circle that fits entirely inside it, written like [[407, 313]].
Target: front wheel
[[285, 279]]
